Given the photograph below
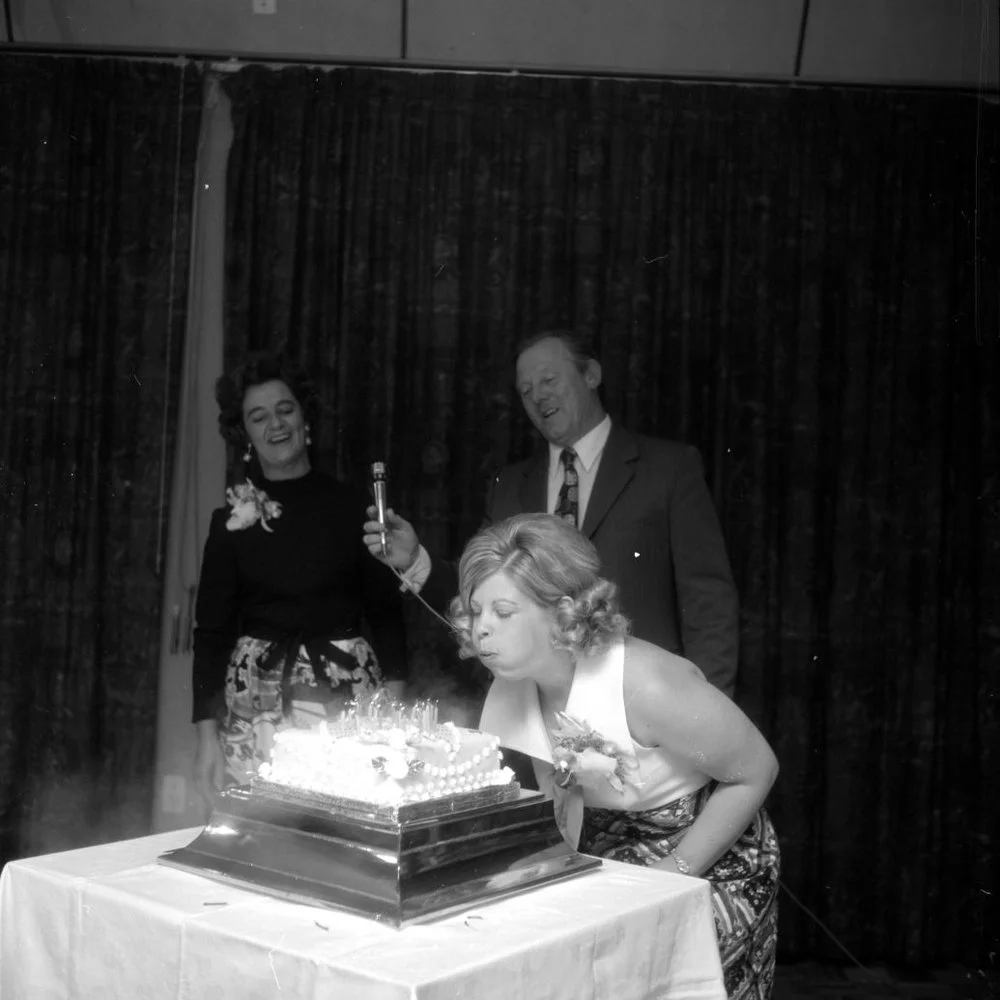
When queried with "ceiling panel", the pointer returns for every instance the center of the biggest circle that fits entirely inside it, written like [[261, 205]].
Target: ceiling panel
[[943, 42], [905, 41], [725, 37], [326, 29]]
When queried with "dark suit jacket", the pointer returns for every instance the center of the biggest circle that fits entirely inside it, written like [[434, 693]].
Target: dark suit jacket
[[654, 524]]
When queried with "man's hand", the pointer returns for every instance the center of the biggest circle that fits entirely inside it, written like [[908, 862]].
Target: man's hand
[[402, 544]]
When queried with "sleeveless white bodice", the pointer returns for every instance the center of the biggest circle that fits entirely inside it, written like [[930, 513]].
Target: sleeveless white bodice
[[512, 713]]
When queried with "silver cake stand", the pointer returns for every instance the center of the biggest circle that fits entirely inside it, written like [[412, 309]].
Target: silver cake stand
[[401, 865]]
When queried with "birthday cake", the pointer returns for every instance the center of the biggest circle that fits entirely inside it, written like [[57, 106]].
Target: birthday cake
[[387, 813], [384, 755]]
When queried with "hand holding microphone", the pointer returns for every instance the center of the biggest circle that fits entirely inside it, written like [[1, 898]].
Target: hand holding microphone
[[388, 537], [392, 540], [379, 487]]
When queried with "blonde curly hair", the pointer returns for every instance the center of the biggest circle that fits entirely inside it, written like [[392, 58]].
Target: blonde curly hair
[[553, 565]]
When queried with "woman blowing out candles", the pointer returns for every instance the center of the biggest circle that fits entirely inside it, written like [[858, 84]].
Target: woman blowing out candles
[[648, 763], [286, 584]]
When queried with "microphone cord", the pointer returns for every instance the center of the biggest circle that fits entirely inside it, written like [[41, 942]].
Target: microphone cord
[[874, 979], [416, 593]]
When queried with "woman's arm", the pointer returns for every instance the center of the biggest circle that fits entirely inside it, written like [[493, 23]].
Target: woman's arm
[[216, 620], [669, 704]]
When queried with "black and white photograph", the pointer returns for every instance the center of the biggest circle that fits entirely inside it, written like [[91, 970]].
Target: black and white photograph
[[499, 499]]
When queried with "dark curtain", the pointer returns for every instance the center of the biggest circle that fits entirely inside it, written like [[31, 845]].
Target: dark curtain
[[802, 283], [96, 175]]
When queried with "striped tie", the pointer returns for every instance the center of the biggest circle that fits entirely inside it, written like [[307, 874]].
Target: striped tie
[[568, 503]]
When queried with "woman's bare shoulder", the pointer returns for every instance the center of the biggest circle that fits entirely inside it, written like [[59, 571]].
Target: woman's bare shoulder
[[646, 662], [657, 686]]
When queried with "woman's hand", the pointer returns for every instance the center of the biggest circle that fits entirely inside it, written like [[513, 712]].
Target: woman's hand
[[209, 761], [669, 864], [402, 542]]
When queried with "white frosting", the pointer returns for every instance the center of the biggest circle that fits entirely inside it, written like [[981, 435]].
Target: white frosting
[[386, 766]]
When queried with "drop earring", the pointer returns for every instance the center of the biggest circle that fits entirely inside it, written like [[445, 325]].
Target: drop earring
[[248, 454], [309, 439]]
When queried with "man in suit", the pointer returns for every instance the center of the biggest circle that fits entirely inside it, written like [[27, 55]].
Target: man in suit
[[643, 502]]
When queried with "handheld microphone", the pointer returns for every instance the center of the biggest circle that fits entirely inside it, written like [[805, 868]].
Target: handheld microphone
[[379, 486]]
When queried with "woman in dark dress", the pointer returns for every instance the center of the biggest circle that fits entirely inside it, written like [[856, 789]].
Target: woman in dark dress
[[288, 596]]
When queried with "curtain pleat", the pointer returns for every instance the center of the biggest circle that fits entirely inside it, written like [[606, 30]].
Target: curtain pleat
[[802, 283], [199, 471], [95, 185]]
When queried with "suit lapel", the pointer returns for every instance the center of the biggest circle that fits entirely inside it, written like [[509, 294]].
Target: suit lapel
[[534, 489], [613, 475]]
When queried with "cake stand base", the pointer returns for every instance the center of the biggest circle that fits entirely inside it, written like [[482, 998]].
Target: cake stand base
[[395, 869]]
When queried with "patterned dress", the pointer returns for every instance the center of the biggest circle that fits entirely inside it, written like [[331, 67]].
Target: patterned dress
[[273, 685], [284, 607], [744, 881], [648, 819]]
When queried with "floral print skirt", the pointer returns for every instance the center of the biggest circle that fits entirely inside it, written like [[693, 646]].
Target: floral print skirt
[[744, 881], [263, 697]]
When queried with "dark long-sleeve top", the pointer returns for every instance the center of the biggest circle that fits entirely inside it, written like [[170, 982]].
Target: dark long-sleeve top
[[309, 577]]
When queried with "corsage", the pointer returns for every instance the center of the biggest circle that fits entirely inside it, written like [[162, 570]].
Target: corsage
[[250, 505], [582, 756]]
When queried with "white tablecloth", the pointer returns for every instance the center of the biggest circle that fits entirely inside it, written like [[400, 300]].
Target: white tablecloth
[[108, 922]]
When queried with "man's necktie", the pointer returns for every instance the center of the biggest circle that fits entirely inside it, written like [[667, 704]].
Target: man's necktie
[[568, 503]]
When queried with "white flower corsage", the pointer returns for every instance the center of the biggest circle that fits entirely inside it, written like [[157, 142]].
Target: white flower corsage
[[582, 756], [250, 505]]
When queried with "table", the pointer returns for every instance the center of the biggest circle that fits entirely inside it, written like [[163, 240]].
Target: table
[[109, 922]]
